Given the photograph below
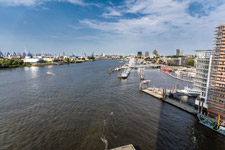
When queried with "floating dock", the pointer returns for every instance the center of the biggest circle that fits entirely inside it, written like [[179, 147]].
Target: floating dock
[[158, 93], [126, 147]]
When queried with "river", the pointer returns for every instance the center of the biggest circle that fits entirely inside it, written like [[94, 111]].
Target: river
[[82, 107]]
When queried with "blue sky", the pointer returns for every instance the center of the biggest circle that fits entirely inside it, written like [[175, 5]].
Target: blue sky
[[109, 26]]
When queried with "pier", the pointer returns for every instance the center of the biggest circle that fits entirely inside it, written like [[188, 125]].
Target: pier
[[161, 95], [158, 93], [126, 147]]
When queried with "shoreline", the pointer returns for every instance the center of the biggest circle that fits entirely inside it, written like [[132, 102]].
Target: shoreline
[[45, 64]]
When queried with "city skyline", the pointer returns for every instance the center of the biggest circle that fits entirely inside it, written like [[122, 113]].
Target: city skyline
[[112, 27]]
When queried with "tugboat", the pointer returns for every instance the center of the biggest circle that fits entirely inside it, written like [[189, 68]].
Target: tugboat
[[216, 126]]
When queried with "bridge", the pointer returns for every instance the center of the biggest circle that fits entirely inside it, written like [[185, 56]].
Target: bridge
[[148, 65]]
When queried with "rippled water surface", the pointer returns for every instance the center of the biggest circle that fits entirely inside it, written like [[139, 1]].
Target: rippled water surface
[[82, 107]]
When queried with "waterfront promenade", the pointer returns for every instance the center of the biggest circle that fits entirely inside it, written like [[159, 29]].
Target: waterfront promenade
[[177, 77]]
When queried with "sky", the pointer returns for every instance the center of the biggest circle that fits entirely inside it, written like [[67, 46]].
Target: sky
[[109, 26]]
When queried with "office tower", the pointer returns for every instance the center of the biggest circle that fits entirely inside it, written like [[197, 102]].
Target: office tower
[[139, 53], [146, 53], [179, 52]]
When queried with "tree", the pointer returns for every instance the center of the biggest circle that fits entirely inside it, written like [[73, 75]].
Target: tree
[[91, 57], [191, 62]]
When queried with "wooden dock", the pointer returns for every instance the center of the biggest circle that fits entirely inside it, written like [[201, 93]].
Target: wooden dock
[[158, 93], [126, 147]]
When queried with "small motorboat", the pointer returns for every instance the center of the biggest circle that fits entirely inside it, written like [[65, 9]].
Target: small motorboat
[[49, 73]]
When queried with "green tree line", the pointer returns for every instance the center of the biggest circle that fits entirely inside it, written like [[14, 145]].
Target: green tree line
[[11, 63]]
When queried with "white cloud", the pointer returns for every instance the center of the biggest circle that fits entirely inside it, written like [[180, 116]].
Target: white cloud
[[19, 2], [111, 12], [165, 24], [38, 2], [156, 17]]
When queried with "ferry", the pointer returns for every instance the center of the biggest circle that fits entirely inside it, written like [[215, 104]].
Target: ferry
[[216, 126]]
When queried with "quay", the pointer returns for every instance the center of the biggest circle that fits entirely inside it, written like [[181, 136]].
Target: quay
[[177, 77], [160, 94], [126, 147]]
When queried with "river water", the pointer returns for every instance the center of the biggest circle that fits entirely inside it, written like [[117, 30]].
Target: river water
[[82, 107]]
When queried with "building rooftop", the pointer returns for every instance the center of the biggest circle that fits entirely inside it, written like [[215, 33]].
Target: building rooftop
[[220, 26]]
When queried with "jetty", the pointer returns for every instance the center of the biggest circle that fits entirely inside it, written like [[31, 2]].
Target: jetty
[[161, 94], [126, 147], [127, 67]]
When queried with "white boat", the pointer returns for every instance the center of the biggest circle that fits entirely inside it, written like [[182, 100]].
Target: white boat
[[49, 73], [189, 92]]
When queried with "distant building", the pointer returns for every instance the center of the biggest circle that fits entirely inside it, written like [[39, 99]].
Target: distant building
[[8, 54], [139, 53], [24, 54], [103, 55], [146, 53], [174, 61], [29, 59], [216, 96], [1, 54], [14, 54], [155, 52], [202, 64], [152, 56], [179, 52]]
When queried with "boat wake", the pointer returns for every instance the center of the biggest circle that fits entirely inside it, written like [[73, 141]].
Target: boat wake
[[105, 142], [103, 138]]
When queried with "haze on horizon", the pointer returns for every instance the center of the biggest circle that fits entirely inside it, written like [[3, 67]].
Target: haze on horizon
[[112, 26]]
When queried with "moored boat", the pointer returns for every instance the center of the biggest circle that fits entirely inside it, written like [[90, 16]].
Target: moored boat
[[216, 126], [189, 92]]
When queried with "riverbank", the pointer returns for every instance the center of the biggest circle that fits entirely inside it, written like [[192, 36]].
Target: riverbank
[[16, 63]]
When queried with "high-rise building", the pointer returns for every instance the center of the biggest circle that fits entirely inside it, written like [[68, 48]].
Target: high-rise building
[[139, 53], [179, 52], [155, 52], [216, 96], [202, 64], [146, 53]]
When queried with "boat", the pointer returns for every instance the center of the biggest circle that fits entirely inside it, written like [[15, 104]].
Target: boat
[[189, 92], [166, 70], [125, 74], [215, 126], [49, 73]]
